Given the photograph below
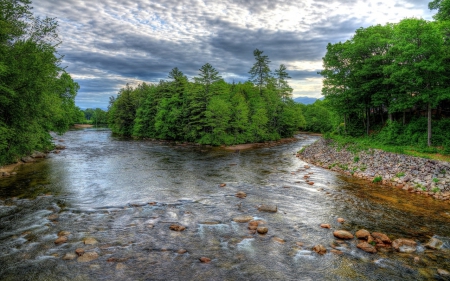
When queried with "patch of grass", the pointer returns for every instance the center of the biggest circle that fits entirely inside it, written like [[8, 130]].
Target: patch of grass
[[435, 180], [363, 168], [401, 174], [377, 179], [356, 159], [436, 189]]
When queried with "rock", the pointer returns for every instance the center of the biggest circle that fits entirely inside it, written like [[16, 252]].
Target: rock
[[27, 159], [181, 251], [38, 154], [362, 234], [53, 217], [443, 272], [90, 241], [79, 251], [223, 185], [404, 245], [343, 234], [241, 194], [434, 244], [337, 252], [262, 230], [307, 167], [321, 250], [63, 233], [416, 259], [87, 257], [325, 225], [279, 240], [61, 240], [69, 256], [176, 227], [253, 223], [340, 220], [60, 147], [366, 247], [205, 260], [243, 219], [299, 244], [268, 208], [120, 266], [311, 183], [383, 237]]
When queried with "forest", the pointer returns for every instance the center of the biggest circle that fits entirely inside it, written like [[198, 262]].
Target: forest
[[36, 94], [208, 110], [391, 82]]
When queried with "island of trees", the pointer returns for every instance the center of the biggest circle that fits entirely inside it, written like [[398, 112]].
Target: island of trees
[[208, 110]]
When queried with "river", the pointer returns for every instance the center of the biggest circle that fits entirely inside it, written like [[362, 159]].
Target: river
[[125, 194]]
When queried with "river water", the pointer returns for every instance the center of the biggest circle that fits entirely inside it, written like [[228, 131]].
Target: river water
[[125, 194]]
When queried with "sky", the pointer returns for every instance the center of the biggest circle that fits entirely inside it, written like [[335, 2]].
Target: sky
[[109, 43]]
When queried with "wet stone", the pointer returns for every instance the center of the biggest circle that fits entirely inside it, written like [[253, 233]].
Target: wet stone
[[383, 237], [90, 241], [69, 256], [87, 257], [279, 240], [205, 260], [241, 194], [443, 272], [362, 234], [262, 230], [404, 245], [177, 227], [222, 184], [325, 225], [341, 220], [366, 247], [242, 219], [320, 249], [434, 244], [61, 240], [79, 251], [268, 208], [343, 234], [63, 233], [181, 251]]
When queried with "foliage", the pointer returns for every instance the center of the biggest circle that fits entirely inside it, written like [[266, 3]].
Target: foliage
[[208, 110], [377, 179], [36, 94]]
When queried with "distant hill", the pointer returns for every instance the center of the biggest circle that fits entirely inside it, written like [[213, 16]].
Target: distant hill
[[305, 100]]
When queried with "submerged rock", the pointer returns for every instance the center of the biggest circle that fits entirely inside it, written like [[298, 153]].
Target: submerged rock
[[341, 220], [63, 233], [262, 230], [366, 247], [69, 256], [181, 251], [61, 240], [268, 208], [223, 185], [321, 250], [242, 219], [404, 245], [90, 241], [177, 227], [87, 257], [279, 240], [443, 272], [205, 260], [79, 251], [383, 237], [241, 194], [343, 234], [434, 244]]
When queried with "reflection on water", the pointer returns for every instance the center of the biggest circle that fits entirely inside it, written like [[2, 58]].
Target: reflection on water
[[125, 194]]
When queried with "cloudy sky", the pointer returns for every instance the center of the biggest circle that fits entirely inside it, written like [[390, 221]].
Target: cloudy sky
[[108, 43]]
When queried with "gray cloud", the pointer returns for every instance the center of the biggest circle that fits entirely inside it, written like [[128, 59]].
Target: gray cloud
[[109, 43]]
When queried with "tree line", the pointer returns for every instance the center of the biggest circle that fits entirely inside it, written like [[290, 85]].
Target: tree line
[[36, 94], [207, 109]]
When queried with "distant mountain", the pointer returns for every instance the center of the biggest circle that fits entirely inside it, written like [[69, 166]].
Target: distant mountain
[[305, 100]]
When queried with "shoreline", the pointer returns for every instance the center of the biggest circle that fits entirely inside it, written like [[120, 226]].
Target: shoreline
[[427, 177]]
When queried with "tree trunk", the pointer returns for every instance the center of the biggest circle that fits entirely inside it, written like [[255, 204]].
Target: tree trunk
[[404, 117], [429, 125], [382, 117]]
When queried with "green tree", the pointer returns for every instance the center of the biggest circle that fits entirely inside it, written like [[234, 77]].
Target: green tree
[[282, 86], [443, 7], [260, 71]]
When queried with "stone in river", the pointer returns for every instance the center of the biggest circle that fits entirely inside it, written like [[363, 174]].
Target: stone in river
[[366, 247], [383, 237], [310, 182], [443, 272], [262, 230], [69, 256], [362, 234], [223, 185], [87, 257], [321, 250], [177, 227], [337, 252], [434, 244], [90, 241], [61, 240], [243, 219], [205, 260], [268, 208], [404, 245], [241, 194], [343, 234], [341, 220], [181, 251], [253, 223], [325, 225], [79, 251], [279, 240], [63, 233]]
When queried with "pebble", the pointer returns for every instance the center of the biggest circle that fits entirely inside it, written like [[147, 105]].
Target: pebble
[[61, 240], [262, 230], [90, 241], [87, 257], [241, 194], [177, 227], [325, 225], [205, 260], [320, 249], [341, 220], [242, 219]]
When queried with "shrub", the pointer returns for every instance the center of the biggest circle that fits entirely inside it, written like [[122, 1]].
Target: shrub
[[377, 179]]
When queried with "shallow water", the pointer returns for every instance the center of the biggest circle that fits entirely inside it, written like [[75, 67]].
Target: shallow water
[[127, 193]]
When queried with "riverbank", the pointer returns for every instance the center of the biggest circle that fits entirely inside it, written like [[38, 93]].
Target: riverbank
[[259, 144], [412, 174]]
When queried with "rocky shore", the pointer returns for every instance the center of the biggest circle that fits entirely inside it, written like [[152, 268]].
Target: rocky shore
[[413, 174]]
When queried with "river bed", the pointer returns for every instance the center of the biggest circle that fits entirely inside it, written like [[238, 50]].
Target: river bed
[[124, 194]]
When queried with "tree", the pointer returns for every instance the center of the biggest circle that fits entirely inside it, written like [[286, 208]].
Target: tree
[[260, 71], [282, 86], [443, 7]]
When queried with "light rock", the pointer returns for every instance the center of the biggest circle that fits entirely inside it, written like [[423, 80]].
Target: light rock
[[268, 208], [325, 225], [262, 230], [341, 220], [279, 240], [383, 237], [434, 244], [362, 234], [223, 185], [443, 272], [61, 240], [87, 257], [181, 251], [63, 233], [241, 194], [79, 251], [243, 219], [404, 245], [366, 247], [343, 234], [69, 256], [320, 249], [90, 241], [205, 260]]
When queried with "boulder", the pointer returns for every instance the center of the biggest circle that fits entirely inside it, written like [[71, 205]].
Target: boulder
[[383, 237], [343, 234], [243, 219], [366, 247], [241, 194], [268, 208], [320, 249], [61, 240], [434, 244], [87, 257], [177, 227], [38, 154], [90, 241], [27, 159], [262, 230], [362, 234], [404, 245]]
